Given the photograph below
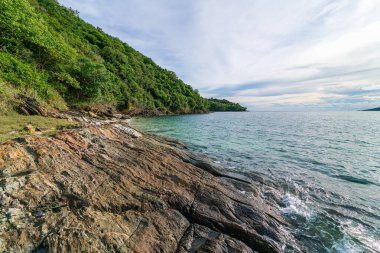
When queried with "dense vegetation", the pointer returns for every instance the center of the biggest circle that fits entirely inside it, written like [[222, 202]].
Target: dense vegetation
[[223, 105], [47, 51]]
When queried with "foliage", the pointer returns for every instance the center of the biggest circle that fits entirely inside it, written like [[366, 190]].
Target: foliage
[[8, 97], [223, 105], [47, 48]]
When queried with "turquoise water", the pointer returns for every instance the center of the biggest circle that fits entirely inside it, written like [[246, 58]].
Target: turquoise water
[[327, 163]]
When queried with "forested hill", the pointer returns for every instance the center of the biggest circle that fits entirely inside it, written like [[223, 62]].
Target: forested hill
[[223, 105], [49, 53]]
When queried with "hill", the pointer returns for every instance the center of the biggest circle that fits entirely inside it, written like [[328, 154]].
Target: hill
[[374, 109], [223, 105], [48, 53]]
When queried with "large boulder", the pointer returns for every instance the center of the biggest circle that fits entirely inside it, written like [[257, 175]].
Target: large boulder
[[30, 106]]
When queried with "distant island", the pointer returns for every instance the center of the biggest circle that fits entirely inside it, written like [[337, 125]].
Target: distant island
[[372, 110]]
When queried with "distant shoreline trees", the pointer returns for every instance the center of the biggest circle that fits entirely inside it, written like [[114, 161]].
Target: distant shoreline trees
[[223, 105]]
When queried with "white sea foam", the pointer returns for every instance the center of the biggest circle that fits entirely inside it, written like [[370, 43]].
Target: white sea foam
[[360, 233], [344, 246], [295, 206]]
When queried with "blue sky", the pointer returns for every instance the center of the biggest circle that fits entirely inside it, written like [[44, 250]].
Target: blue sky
[[267, 55]]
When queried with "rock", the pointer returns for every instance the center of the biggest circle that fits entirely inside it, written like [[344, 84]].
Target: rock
[[30, 129], [125, 116], [127, 192], [128, 130], [14, 215], [117, 116], [202, 239], [91, 114], [30, 106]]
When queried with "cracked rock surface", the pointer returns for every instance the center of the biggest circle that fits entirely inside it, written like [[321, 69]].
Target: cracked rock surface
[[109, 188]]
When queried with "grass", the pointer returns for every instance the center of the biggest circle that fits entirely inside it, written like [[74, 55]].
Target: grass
[[14, 125]]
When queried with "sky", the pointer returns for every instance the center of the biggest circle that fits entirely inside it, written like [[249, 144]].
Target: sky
[[267, 55]]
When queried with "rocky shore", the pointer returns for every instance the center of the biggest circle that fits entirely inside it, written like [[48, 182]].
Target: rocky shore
[[105, 187]]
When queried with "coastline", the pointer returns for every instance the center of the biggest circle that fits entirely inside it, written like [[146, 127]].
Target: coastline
[[120, 190]]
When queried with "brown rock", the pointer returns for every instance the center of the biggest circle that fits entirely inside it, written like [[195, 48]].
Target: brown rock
[[30, 106], [120, 193]]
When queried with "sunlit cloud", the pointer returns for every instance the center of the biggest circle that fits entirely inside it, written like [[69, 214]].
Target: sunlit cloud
[[264, 54]]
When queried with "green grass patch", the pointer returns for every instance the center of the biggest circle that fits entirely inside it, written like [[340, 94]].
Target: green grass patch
[[14, 125]]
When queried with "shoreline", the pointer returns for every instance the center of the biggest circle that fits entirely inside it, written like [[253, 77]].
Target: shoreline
[[159, 195]]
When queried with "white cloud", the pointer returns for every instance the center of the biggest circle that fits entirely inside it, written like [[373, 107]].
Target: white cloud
[[317, 50], [312, 99], [372, 87]]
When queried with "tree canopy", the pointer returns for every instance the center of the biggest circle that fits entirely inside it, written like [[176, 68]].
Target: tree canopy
[[223, 105], [48, 50]]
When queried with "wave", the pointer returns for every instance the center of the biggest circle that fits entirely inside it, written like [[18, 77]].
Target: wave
[[344, 246], [355, 180], [295, 206]]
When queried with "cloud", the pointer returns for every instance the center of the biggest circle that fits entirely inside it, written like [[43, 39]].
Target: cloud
[[306, 99], [256, 52], [372, 87]]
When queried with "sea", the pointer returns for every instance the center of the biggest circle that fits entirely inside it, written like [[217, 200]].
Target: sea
[[327, 164]]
